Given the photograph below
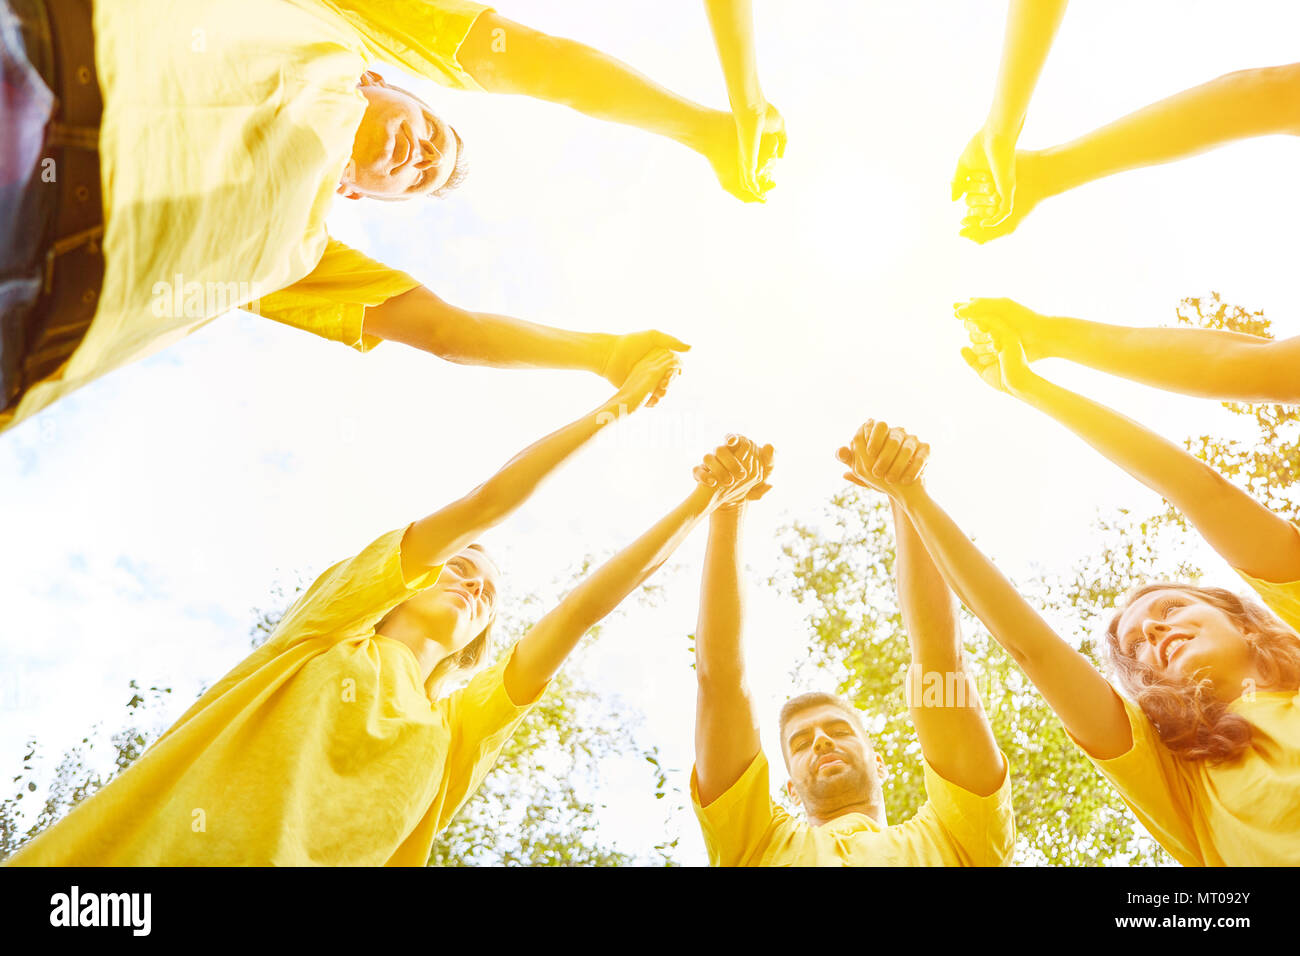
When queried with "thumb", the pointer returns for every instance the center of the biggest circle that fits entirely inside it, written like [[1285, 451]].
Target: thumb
[[972, 360], [665, 341], [850, 476]]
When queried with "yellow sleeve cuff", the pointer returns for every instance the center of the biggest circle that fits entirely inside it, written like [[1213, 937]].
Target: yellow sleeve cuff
[[984, 827]]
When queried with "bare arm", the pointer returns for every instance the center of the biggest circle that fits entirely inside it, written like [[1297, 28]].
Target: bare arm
[[1243, 531], [420, 319], [1248, 103], [987, 167], [890, 460], [507, 57], [1240, 105], [1086, 703], [1207, 363], [540, 652], [726, 728], [431, 540], [945, 706], [1031, 28], [732, 22]]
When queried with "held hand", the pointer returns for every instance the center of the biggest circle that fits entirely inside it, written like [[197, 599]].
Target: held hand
[[627, 350], [743, 148], [648, 381], [884, 459], [760, 138], [735, 472], [999, 359], [980, 223], [987, 170], [1008, 317]]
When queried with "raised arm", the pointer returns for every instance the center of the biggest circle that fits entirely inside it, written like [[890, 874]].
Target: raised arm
[[1207, 363], [1087, 705], [541, 651], [726, 729], [945, 707], [990, 157], [1241, 105], [1245, 533], [507, 57], [732, 22], [422, 320], [431, 540]]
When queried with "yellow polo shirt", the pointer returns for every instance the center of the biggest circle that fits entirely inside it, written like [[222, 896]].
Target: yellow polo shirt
[[321, 748], [1242, 813], [745, 827], [226, 127]]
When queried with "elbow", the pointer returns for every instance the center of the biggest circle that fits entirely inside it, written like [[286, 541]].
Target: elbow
[[488, 504]]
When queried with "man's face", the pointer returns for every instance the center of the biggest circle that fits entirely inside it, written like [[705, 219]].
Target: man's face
[[830, 762], [401, 149]]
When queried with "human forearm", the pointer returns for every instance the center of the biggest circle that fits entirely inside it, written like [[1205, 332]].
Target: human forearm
[[1206, 363], [1239, 105], [1031, 27], [1086, 703], [421, 320], [432, 539], [929, 613], [541, 651], [726, 730], [732, 22], [506, 57], [1243, 531]]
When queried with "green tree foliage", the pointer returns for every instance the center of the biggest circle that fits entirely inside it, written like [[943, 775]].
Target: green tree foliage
[[841, 569]]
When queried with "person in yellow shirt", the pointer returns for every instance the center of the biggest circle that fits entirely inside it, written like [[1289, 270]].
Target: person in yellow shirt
[[835, 775], [1200, 734], [225, 131], [1207, 363], [335, 743], [1002, 184]]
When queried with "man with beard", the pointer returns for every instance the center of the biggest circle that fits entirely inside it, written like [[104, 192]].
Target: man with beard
[[835, 774]]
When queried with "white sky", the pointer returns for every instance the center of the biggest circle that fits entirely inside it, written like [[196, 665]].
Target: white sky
[[146, 516]]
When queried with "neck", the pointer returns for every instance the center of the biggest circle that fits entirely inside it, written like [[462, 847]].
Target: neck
[[868, 807], [400, 625]]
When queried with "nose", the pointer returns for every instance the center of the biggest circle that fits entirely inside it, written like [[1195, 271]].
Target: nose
[[1154, 630], [822, 743]]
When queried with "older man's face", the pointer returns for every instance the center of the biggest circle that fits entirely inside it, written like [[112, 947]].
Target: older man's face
[[401, 149]]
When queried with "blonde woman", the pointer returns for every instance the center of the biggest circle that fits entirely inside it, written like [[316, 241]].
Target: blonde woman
[[331, 744], [1201, 733]]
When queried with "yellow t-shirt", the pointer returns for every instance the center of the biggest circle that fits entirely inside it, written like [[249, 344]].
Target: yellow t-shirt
[[321, 748], [745, 827], [1242, 813], [226, 126]]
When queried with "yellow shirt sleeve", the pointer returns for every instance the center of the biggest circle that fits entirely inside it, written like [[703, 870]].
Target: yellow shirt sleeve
[[1156, 787], [739, 825], [350, 598], [982, 830], [482, 717], [332, 299], [422, 35], [1282, 599]]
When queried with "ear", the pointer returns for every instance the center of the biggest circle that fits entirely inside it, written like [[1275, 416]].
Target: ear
[[347, 182], [880, 767], [371, 78], [790, 791]]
